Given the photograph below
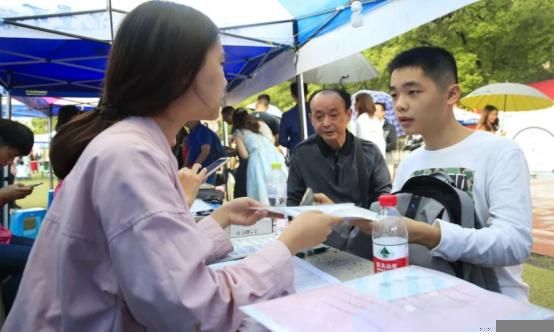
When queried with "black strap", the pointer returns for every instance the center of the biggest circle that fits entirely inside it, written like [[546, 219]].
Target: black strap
[[363, 178]]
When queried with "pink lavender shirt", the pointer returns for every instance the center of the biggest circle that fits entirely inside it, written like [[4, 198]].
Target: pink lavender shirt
[[120, 251]]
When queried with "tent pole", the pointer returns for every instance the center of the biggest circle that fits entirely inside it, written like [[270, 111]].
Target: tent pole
[[111, 18], [6, 169], [226, 167], [4, 181], [302, 107], [49, 144]]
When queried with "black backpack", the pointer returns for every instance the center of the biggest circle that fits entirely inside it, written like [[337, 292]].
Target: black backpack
[[429, 197]]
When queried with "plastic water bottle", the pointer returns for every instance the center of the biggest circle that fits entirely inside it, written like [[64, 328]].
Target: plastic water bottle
[[277, 194], [390, 237]]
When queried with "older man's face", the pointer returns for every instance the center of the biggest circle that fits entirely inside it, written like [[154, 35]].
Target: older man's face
[[330, 118]]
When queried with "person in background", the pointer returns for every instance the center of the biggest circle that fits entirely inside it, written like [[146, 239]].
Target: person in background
[[260, 153], [227, 113], [389, 131], [261, 113], [239, 190], [179, 150], [368, 127], [119, 249], [65, 114], [16, 140], [289, 130], [263, 104], [203, 146], [489, 119]]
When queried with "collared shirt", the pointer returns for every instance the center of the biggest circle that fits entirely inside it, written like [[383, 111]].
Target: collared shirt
[[120, 251], [335, 172], [289, 131]]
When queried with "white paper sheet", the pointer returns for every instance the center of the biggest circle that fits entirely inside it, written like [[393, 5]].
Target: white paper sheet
[[347, 211]]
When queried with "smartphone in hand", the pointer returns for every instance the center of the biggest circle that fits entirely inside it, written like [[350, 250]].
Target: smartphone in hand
[[34, 185], [217, 164]]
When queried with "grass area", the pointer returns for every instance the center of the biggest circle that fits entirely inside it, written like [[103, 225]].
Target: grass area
[[538, 271], [39, 197]]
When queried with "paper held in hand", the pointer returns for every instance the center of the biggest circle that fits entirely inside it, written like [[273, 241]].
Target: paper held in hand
[[347, 211]]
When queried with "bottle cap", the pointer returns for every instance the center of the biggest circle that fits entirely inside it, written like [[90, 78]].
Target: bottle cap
[[276, 166], [387, 200]]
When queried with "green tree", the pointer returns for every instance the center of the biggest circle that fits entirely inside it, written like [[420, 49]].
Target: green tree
[[492, 40], [39, 125]]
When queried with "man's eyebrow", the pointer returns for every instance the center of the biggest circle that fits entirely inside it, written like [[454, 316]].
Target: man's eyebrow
[[407, 84]]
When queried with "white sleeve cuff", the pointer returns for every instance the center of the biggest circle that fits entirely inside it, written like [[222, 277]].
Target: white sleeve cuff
[[451, 245]]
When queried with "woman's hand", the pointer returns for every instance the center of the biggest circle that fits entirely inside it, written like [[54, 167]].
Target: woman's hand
[[241, 211], [321, 198], [191, 179]]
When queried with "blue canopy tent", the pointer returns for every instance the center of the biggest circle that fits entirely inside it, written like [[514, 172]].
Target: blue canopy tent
[[60, 47]]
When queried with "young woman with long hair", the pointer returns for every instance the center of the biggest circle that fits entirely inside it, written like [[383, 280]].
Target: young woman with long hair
[[119, 249]]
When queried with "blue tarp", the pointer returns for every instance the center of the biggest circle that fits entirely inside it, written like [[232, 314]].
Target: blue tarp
[[62, 50]]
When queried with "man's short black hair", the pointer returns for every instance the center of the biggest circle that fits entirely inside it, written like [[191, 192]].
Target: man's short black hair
[[345, 96], [264, 97], [228, 110], [437, 63], [17, 136], [294, 89]]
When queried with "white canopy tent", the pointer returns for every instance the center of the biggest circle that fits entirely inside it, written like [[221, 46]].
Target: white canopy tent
[[267, 41]]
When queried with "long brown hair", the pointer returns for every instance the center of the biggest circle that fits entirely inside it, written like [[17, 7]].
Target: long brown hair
[[365, 103], [159, 49], [243, 120], [484, 119]]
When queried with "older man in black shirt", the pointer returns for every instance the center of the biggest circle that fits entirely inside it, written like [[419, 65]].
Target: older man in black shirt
[[334, 162]]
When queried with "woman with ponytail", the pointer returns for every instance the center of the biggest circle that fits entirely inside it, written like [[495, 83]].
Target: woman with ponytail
[[119, 249]]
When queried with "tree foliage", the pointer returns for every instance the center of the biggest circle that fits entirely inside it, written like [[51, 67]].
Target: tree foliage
[[492, 40], [39, 125]]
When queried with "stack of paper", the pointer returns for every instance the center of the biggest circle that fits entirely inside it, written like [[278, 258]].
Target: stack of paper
[[407, 299], [244, 246]]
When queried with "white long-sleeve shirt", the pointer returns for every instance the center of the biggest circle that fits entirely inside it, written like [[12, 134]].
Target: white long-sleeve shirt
[[371, 129], [494, 171]]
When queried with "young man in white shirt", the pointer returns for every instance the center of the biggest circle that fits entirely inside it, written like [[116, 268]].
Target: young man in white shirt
[[493, 170]]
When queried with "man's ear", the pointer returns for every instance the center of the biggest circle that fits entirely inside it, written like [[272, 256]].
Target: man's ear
[[349, 114], [454, 93]]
